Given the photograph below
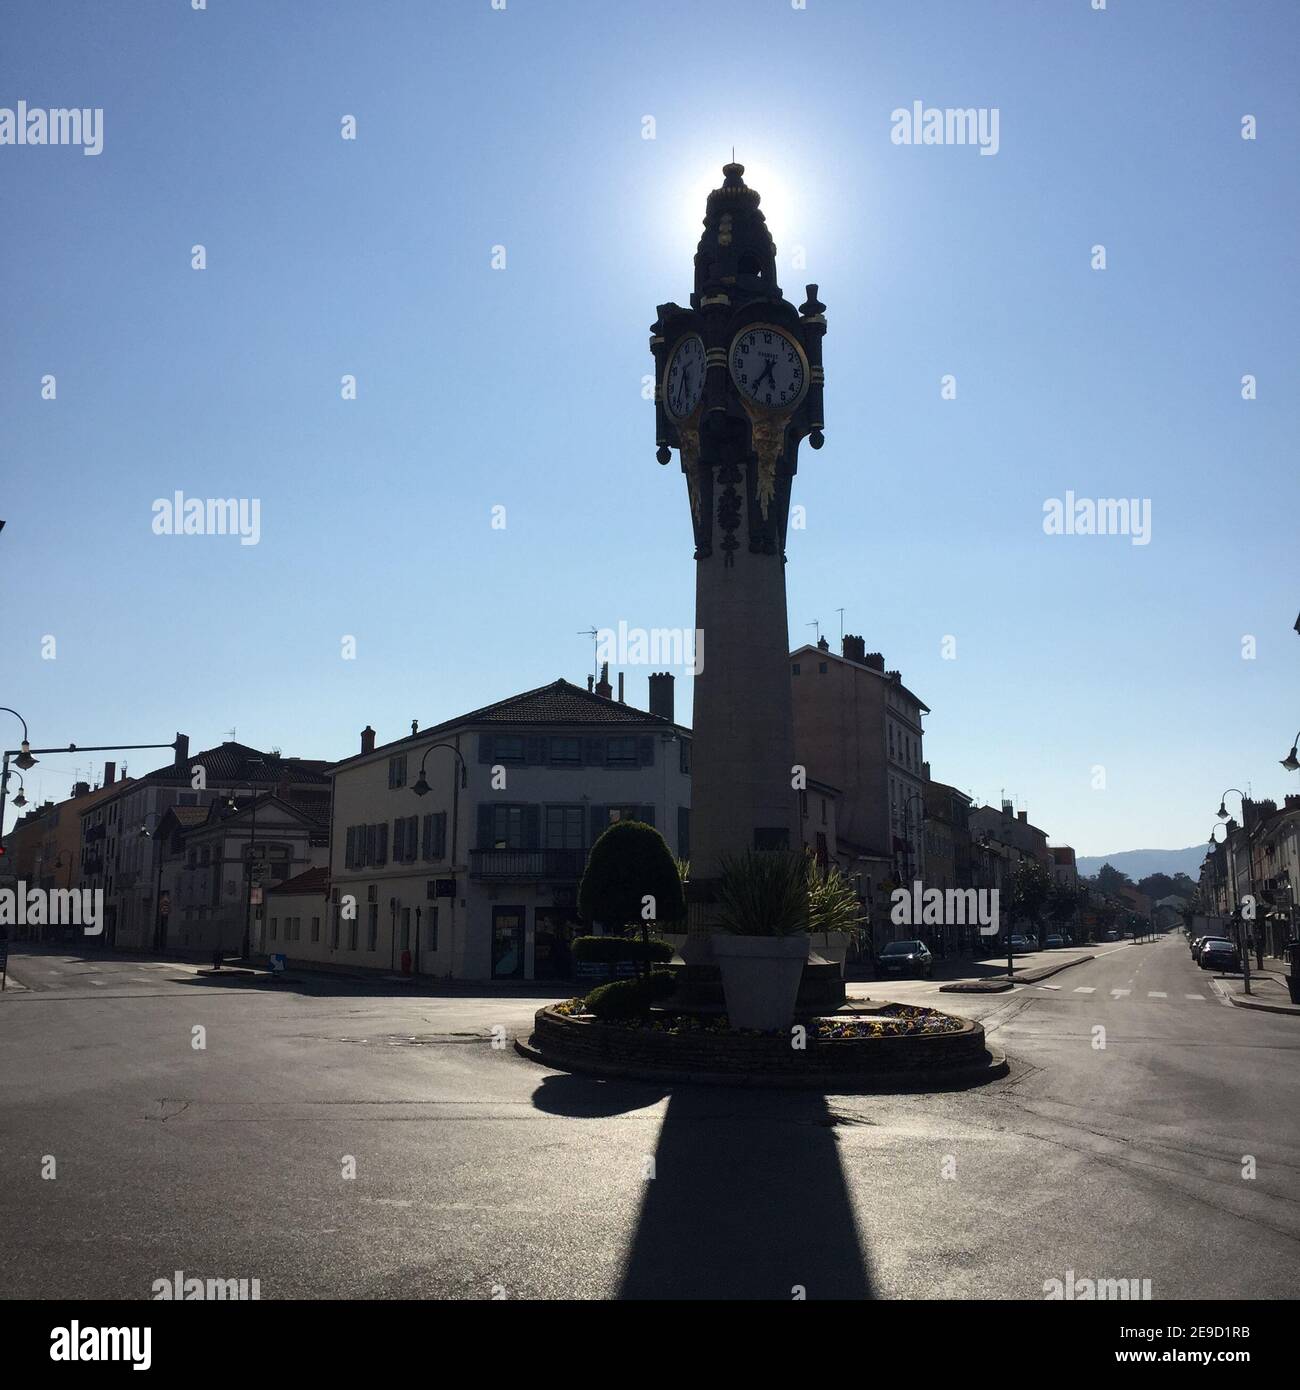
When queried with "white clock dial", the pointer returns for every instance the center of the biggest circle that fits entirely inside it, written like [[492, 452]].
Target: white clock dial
[[769, 367], [684, 380]]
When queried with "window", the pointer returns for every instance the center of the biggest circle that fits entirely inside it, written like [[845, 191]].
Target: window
[[352, 934], [564, 827], [566, 751], [405, 834], [274, 923], [821, 668], [434, 842], [508, 827], [397, 771], [372, 927], [508, 748], [794, 670], [684, 757], [315, 928], [803, 805], [334, 931], [621, 752]]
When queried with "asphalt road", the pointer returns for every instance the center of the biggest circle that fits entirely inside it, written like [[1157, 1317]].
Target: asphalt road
[[1115, 1154]]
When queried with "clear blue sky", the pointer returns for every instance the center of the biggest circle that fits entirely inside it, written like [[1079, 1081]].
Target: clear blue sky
[[522, 387]]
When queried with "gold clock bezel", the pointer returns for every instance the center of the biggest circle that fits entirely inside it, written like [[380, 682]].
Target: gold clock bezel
[[750, 403], [668, 367]]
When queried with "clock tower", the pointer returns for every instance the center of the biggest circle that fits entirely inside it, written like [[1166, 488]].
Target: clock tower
[[738, 384]]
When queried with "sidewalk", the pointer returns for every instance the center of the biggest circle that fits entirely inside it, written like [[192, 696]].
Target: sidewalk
[[1269, 992]]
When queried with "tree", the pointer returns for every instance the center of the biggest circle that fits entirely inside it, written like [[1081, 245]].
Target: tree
[[1063, 902], [631, 879], [1110, 880], [1157, 886], [1030, 885]]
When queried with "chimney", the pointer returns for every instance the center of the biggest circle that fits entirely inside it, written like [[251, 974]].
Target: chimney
[[855, 649], [620, 689], [603, 686], [282, 788], [367, 739], [874, 661], [1024, 816], [591, 680], [1007, 809], [661, 694], [1292, 802], [925, 771], [110, 772]]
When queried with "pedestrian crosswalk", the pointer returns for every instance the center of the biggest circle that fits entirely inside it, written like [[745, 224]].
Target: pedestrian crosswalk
[[1118, 993]]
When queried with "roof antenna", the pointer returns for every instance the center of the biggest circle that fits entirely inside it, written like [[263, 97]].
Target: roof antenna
[[818, 626], [595, 647], [840, 611]]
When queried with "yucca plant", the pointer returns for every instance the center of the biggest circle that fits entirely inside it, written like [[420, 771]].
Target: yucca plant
[[763, 893], [832, 903]]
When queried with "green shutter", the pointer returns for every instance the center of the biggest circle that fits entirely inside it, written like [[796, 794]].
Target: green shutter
[[593, 752], [532, 827], [646, 750]]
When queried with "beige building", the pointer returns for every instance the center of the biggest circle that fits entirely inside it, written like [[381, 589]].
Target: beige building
[[858, 727]]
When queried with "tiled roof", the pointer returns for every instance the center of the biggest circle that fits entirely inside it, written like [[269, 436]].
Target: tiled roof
[[561, 702], [309, 881], [236, 762]]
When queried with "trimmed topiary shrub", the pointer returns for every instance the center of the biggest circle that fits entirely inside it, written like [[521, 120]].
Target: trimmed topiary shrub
[[605, 950], [624, 999], [629, 863]]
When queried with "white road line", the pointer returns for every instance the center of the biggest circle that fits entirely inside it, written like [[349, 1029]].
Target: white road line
[[1120, 993], [1194, 996], [1156, 994], [1085, 989], [1049, 986], [100, 983]]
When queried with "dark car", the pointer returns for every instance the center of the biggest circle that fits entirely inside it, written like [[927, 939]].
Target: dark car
[[905, 958], [1023, 943], [1219, 955]]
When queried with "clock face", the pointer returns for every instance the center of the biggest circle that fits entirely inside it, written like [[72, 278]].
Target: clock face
[[769, 367], [684, 380]]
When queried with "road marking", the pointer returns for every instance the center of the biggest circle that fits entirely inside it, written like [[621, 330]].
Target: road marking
[[1120, 993], [1156, 994], [100, 983], [1195, 996], [1085, 989], [1049, 986]]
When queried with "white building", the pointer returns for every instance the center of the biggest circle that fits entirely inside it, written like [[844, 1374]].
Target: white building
[[476, 878]]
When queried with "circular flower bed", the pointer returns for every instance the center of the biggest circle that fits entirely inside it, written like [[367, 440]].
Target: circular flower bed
[[892, 1046]]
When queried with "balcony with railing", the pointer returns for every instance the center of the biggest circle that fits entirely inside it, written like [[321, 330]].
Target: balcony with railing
[[526, 865]]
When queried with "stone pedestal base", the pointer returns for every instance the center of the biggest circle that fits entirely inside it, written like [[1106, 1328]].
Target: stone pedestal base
[[699, 989]]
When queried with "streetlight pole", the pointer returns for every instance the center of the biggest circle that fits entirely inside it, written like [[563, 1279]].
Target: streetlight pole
[[246, 946], [421, 788], [147, 834], [1242, 933]]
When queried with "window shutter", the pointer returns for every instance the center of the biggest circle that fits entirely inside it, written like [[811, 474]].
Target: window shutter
[[532, 827], [349, 857], [593, 752], [367, 835], [485, 825], [381, 844], [440, 835], [426, 843], [683, 832], [646, 814], [535, 750], [599, 822], [485, 748], [647, 750]]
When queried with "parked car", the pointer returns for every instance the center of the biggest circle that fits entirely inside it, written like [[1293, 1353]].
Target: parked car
[[1053, 941], [905, 958], [1112, 935], [1202, 942], [1219, 955], [1023, 943]]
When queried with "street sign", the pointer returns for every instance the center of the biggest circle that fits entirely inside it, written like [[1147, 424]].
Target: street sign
[[255, 897]]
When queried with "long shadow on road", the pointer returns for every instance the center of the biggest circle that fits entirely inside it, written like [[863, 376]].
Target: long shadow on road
[[747, 1201]]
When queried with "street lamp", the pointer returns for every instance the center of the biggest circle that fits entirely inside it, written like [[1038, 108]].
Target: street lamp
[[1291, 762], [246, 947], [421, 787], [1242, 934], [21, 798], [147, 834]]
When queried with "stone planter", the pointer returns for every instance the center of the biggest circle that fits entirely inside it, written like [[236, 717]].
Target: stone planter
[[760, 977], [832, 946]]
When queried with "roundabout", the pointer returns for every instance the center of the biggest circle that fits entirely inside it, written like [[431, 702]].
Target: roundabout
[[873, 1046]]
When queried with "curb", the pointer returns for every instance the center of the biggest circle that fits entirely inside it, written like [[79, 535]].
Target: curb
[[1239, 1003], [835, 1083]]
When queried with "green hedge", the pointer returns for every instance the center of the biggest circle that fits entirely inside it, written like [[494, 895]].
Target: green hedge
[[606, 950], [630, 998]]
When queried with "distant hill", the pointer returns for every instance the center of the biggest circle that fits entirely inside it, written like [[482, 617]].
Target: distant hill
[[1138, 863]]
